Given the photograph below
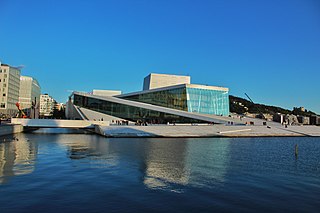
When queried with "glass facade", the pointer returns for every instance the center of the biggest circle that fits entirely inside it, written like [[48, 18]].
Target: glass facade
[[202, 101], [206, 101], [130, 113], [171, 98]]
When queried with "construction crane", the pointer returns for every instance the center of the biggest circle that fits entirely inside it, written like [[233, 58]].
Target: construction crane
[[261, 114], [21, 113]]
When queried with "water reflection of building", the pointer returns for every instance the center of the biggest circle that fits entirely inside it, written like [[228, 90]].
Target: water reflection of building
[[17, 158], [208, 159], [165, 163], [186, 161], [84, 146]]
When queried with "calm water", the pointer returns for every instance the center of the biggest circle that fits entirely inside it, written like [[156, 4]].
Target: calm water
[[89, 173]]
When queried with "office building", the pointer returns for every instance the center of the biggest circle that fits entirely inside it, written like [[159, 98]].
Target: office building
[[29, 96], [9, 86]]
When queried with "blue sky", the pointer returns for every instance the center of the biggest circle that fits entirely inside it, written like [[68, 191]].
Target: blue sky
[[269, 49]]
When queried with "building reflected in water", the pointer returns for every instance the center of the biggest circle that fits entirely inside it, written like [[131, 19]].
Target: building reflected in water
[[159, 162], [95, 148], [165, 163], [17, 157], [182, 162]]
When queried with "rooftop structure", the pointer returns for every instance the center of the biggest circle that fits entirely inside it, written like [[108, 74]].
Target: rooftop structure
[[106, 92], [154, 80]]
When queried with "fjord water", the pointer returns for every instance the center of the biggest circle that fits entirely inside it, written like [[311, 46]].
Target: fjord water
[[69, 172]]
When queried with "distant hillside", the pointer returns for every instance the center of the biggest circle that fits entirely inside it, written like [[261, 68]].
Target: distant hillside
[[240, 106]]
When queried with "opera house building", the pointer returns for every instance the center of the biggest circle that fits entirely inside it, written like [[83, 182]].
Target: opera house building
[[164, 98]]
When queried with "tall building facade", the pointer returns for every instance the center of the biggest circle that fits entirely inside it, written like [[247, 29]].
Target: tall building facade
[[9, 86], [154, 80], [29, 96], [47, 104]]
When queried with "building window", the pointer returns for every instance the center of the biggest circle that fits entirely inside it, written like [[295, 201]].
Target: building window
[[2, 105], [4, 85], [4, 94]]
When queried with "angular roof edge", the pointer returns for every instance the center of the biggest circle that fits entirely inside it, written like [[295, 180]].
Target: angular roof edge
[[195, 86], [197, 116]]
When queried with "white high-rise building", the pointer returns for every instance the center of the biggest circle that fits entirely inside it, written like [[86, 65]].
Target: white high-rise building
[[29, 96], [47, 104], [9, 89]]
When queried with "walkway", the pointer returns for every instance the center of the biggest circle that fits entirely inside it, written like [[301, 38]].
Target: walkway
[[54, 123]]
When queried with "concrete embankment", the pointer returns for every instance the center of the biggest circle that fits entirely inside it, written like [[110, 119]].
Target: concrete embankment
[[206, 131], [10, 129], [190, 130]]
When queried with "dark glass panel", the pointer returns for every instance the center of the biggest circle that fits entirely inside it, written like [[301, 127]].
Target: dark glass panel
[[131, 113], [172, 98]]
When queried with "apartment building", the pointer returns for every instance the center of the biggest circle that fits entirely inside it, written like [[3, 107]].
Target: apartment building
[[9, 89]]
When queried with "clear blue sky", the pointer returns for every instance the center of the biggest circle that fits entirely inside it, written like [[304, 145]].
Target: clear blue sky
[[269, 49]]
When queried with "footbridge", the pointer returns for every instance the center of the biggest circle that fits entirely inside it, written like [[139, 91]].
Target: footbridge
[[57, 123]]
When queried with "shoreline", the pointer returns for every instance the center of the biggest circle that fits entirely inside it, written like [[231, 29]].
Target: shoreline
[[9, 129], [188, 131]]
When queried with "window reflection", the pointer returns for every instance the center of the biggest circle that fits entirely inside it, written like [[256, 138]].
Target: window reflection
[[130, 113], [204, 101], [208, 101], [172, 98]]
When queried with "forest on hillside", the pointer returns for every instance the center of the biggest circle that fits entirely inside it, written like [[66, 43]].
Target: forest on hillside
[[240, 105]]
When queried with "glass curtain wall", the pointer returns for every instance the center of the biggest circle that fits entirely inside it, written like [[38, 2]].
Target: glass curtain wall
[[208, 101], [131, 113], [171, 98], [202, 101]]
